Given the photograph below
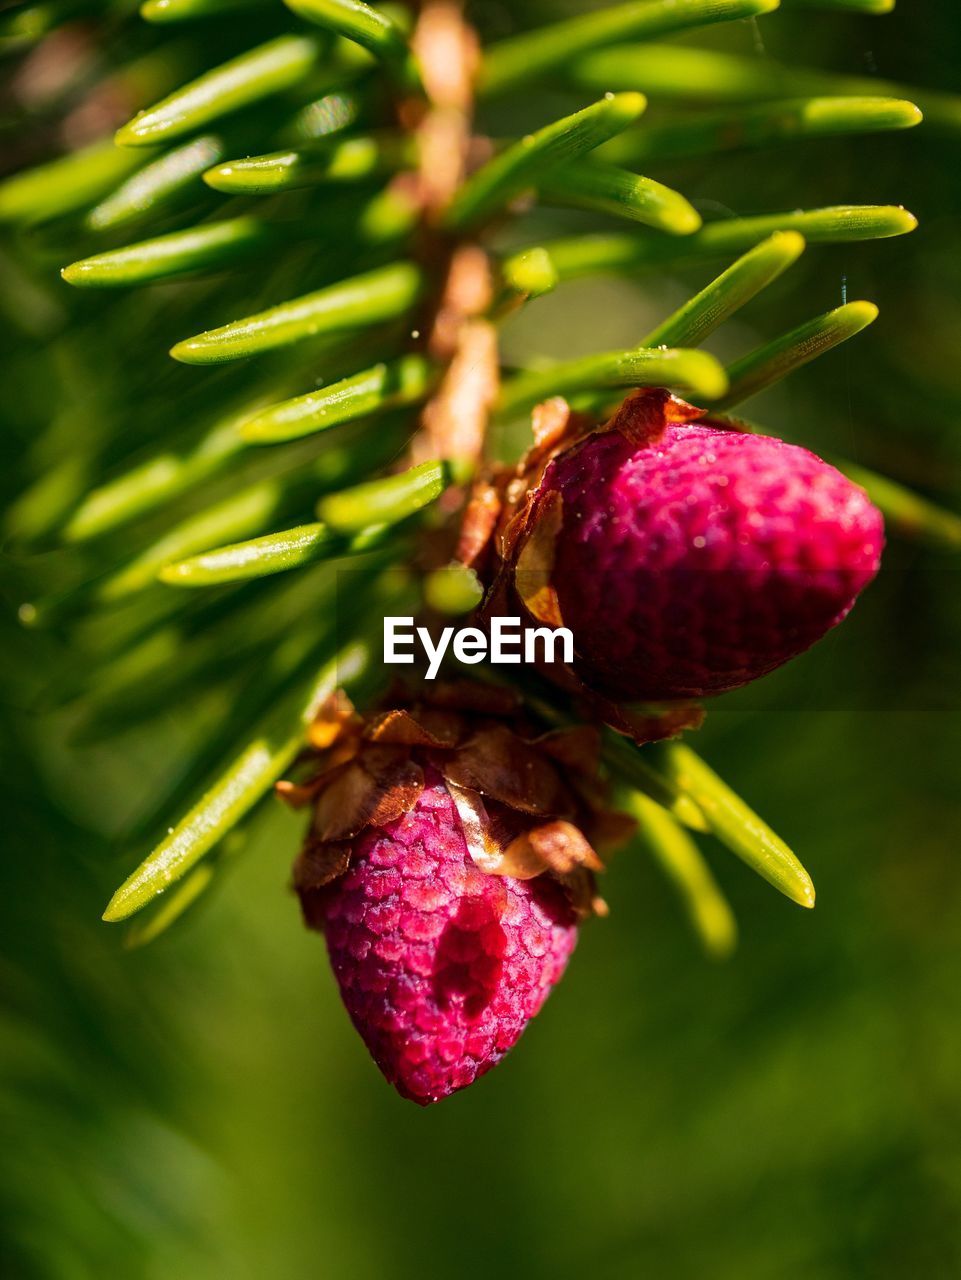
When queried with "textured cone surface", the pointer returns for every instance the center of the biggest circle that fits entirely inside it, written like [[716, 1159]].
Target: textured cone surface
[[702, 560], [440, 966]]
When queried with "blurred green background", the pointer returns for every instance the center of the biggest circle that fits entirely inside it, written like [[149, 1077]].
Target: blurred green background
[[201, 1108]]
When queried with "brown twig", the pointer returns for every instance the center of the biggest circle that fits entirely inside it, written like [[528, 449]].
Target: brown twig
[[456, 332]]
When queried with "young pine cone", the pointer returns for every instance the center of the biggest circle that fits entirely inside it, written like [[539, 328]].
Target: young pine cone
[[448, 865], [686, 558]]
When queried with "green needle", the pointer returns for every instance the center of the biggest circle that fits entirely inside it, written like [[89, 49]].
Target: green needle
[[521, 165], [519, 59], [737, 826], [269, 69], [384, 294]]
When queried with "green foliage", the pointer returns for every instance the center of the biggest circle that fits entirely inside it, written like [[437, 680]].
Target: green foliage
[[404, 381], [387, 501], [520, 166], [215, 244], [248, 777], [267, 70], [765, 125], [733, 289], [730, 819], [694, 372], [273, 553], [607, 189], [64, 185], [200, 508], [369, 27], [384, 294], [775, 360], [682, 862], [522, 58], [589, 254], [347, 161]]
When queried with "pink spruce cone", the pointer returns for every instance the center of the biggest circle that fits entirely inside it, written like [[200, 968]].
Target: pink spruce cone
[[449, 860], [701, 559], [440, 966]]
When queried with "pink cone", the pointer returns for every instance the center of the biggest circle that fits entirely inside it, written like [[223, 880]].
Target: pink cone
[[440, 966], [704, 559]]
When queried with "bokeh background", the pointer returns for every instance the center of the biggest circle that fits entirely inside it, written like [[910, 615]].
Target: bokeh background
[[201, 1107]]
